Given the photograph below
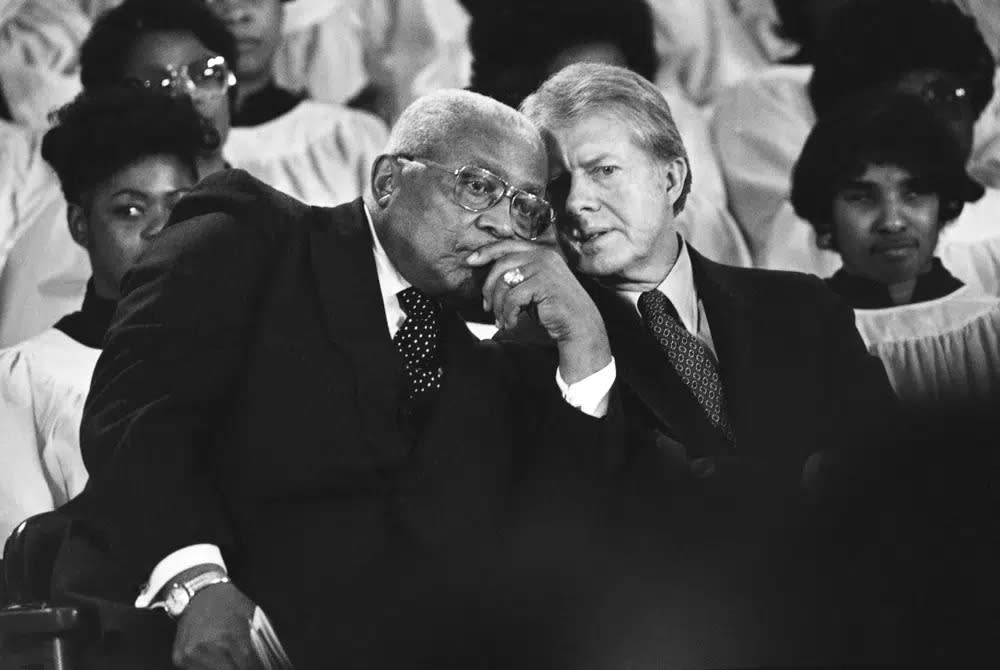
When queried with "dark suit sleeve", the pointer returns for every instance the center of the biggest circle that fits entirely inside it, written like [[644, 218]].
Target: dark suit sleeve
[[174, 350], [864, 412]]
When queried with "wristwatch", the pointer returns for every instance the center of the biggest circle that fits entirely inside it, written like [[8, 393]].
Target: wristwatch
[[178, 595]]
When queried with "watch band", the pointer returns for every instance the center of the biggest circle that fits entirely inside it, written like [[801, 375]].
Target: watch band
[[178, 595], [209, 578]]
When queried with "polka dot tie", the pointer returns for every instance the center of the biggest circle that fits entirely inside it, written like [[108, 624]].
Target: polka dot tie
[[690, 358], [417, 342]]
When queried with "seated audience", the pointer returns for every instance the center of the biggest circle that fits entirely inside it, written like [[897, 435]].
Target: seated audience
[[318, 152], [144, 41], [761, 375], [761, 125], [124, 157], [615, 32], [878, 181]]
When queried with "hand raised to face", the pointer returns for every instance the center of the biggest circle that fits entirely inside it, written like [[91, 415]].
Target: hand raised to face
[[533, 278]]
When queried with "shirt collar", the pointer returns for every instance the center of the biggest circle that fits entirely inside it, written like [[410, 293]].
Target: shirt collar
[[679, 288], [390, 282]]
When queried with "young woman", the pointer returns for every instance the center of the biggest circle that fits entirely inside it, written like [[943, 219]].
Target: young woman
[[878, 180]]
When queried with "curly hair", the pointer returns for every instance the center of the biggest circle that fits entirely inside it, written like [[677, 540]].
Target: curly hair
[[889, 129], [104, 52], [871, 43], [101, 132], [514, 43]]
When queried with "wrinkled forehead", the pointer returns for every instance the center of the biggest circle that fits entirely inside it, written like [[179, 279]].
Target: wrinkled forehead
[[515, 152], [601, 130]]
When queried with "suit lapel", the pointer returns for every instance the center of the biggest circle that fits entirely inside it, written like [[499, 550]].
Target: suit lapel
[[657, 390], [351, 303], [728, 308]]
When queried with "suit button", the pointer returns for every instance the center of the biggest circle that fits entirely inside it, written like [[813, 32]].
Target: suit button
[[702, 467]]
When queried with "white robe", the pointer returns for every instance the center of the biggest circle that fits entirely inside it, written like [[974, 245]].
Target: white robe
[[43, 385], [940, 351], [318, 152]]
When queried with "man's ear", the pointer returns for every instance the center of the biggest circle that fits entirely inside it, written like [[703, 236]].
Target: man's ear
[[79, 226], [675, 172], [385, 172]]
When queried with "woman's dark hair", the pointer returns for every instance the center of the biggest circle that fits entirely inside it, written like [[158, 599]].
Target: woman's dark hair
[[868, 44], [890, 129], [513, 43], [110, 41], [103, 131]]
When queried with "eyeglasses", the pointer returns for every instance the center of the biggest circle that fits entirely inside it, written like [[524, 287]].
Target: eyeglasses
[[477, 189], [202, 79]]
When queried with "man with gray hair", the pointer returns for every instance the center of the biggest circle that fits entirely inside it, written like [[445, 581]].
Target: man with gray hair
[[291, 414], [760, 375]]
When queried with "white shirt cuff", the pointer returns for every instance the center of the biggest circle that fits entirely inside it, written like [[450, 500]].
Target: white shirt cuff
[[176, 563], [590, 394]]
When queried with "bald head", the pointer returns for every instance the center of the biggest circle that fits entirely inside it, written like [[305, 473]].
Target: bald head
[[433, 124]]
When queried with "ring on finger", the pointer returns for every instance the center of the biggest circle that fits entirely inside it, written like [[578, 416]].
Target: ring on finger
[[513, 277]]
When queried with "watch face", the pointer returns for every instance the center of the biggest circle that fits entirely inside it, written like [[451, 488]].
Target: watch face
[[176, 600]]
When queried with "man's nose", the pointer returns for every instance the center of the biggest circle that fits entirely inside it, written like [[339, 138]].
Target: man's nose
[[579, 196], [497, 220]]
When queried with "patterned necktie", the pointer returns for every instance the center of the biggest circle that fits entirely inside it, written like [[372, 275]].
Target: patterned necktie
[[417, 342], [690, 358]]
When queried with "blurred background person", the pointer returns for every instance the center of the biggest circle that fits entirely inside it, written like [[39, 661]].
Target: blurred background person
[[878, 181], [39, 57], [554, 35], [124, 157], [761, 124]]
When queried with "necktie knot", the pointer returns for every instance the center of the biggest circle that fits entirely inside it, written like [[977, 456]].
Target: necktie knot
[[416, 304], [654, 305]]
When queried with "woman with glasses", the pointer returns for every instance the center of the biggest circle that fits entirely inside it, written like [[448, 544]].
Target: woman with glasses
[[878, 182], [124, 157]]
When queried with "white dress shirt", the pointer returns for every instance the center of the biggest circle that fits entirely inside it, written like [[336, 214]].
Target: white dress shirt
[[589, 395]]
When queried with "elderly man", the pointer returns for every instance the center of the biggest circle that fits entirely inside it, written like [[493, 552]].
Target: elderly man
[[760, 374], [288, 393]]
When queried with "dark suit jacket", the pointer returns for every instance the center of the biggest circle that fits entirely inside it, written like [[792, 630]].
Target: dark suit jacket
[[797, 377], [249, 396], [733, 555]]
